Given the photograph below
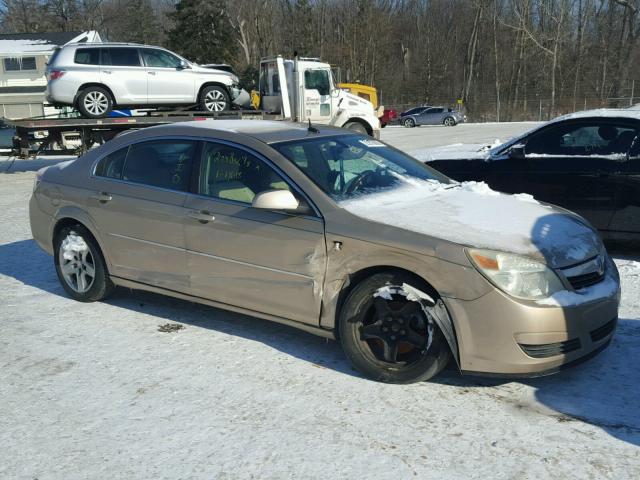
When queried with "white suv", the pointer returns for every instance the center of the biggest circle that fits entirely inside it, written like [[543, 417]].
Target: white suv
[[96, 77]]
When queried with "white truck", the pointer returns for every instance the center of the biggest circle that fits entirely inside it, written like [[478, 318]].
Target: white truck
[[307, 94], [310, 94]]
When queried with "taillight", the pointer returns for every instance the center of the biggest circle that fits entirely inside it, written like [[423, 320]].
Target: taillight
[[56, 74]]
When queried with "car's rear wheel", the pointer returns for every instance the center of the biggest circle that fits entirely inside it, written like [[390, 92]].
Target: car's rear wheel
[[95, 102], [214, 99], [390, 340], [409, 122], [80, 265], [449, 122]]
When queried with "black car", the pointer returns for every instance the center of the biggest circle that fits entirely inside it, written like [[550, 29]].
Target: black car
[[587, 162]]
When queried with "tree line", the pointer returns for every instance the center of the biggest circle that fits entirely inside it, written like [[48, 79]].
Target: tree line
[[500, 59]]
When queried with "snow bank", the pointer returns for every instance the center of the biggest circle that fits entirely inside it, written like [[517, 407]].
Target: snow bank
[[472, 214]]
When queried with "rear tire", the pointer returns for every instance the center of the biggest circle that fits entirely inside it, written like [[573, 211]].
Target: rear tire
[[95, 102], [356, 127], [372, 353], [214, 99], [83, 275], [409, 122]]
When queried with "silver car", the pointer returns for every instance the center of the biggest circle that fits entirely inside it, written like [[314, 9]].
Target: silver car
[[431, 116], [337, 234], [96, 78]]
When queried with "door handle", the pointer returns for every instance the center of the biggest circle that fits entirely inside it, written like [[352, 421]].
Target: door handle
[[102, 197], [106, 71], [151, 73], [201, 215]]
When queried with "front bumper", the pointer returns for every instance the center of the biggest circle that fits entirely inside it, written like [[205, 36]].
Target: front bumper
[[500, 335]]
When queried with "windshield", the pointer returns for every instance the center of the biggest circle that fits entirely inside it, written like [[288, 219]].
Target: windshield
[[351, 165]]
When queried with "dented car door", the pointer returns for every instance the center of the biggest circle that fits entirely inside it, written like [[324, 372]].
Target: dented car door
[[261, 260]]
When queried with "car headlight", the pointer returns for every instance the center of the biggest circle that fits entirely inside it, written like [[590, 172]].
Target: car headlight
[[519, 276]]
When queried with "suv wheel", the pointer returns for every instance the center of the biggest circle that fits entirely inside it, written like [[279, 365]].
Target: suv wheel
[[80, 266], [214, 99], [390, 339], [95, 102], [409, 122]]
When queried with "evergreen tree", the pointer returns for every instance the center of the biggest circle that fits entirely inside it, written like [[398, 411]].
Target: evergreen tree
[[202, 32]]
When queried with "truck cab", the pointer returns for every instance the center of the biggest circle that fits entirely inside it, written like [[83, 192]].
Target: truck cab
[[303, 90]]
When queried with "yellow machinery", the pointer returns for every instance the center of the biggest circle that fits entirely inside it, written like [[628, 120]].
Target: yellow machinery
[[363, 91]]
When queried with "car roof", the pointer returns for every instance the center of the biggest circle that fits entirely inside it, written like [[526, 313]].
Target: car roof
[[631, 112], [266, 131], [109, 44]]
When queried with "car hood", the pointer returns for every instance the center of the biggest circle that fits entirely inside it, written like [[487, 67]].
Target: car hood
[[213, 71], [455, 151], [471, 214]]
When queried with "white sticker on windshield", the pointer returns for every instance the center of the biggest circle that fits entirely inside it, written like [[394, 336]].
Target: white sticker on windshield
[[372, 143]]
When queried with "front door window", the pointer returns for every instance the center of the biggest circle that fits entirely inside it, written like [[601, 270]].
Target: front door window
[[317, 96]]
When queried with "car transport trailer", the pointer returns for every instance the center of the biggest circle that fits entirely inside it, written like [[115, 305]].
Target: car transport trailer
[[299, 90], [74, 136]]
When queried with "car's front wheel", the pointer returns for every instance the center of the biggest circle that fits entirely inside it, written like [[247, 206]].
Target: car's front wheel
[[449, 122], [214, 99], [95, 102], [80, 265], [388, 337], [409, 122]]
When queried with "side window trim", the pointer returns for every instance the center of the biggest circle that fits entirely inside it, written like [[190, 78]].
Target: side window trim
[[292, 185]]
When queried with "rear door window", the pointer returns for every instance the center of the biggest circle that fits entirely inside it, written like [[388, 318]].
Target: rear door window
[[87, 56], [161, 163], [121, 57], [111, 165]]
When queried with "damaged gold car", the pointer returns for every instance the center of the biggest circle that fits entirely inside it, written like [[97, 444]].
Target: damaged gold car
[[337, 234]]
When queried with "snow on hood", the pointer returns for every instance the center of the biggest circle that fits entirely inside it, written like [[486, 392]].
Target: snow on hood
[[460, 151], [472, 214]]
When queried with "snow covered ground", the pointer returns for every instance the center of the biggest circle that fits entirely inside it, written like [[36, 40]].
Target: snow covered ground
[[449, 139], [97, 391]]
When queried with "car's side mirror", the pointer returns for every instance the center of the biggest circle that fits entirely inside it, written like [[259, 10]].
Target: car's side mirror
[[183, 65], [516, 152], [276, 200]]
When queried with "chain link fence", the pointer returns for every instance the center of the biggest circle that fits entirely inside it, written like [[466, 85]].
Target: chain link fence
[[528, 109]]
